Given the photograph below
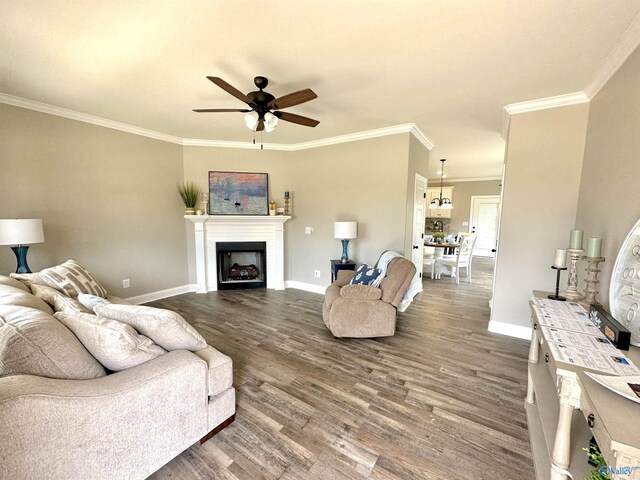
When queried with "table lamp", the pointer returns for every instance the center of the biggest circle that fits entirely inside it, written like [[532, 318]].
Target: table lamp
[[345, 231], [21, 233]]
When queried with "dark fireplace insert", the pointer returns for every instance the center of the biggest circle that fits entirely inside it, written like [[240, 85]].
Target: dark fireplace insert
[[241, 265]]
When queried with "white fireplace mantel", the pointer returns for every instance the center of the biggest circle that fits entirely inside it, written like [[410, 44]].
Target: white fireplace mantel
[[211, 229]]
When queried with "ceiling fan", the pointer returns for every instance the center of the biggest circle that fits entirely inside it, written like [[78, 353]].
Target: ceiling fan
[[264, 111]]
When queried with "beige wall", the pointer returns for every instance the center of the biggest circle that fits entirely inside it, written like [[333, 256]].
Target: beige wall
[[540, 196], [107, 199], [462, 193], [608, 204], [364, 181]]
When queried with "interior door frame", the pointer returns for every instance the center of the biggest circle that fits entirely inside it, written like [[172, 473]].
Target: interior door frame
[[417, 228]]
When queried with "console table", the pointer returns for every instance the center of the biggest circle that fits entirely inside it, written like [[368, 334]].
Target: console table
[[565, 408]]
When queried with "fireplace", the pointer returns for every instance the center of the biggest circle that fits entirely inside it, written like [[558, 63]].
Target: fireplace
[[241, 265], [209, 230]]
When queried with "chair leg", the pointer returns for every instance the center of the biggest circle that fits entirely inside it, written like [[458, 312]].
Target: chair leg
[[457, 276]]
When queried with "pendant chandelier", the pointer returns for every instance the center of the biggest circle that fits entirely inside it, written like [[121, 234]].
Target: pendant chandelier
[[441, 202]]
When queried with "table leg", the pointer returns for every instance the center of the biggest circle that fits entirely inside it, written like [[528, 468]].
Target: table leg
[[569, 400]]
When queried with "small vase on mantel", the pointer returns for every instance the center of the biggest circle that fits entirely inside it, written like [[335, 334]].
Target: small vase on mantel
[[189, 211]]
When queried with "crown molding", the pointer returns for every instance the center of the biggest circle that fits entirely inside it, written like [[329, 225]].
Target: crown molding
[[86, 118], [628, 43], [549, 102], [411, 128]]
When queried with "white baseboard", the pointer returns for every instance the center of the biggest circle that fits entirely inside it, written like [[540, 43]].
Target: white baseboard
[[307, 287], [160, 294], [510, 330]]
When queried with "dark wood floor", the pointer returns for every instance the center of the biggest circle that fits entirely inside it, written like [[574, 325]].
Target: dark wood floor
[[442, 399]]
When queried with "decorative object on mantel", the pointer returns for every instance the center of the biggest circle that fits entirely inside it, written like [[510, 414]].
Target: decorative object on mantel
[[189, 192], [575, 252], [287, 203], [272, 208], [441, 202], [279, 210], [21, 232], [238, 193], [345, 231], [205, 203], [624, 290]]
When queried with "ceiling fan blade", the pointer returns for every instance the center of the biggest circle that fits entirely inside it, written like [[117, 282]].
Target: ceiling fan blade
[[260, 126], [231, 90], [295, 98], [205, 110], [299, 119]]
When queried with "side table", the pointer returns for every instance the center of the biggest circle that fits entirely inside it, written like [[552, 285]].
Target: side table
[[337, 265]]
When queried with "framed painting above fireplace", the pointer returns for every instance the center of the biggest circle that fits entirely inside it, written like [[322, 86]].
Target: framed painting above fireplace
[[238, 193]]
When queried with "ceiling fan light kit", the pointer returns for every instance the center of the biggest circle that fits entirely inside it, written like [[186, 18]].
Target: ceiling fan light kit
[[441, 202], [264, 109]]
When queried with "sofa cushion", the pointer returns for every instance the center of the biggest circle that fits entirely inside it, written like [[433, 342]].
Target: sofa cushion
[[32, 342], [62, 303], [115, 345], [361, 292], [12, 282], [220, 375], [17, 297], [28, 278], [73, 279], [168, 329], [366, 275]]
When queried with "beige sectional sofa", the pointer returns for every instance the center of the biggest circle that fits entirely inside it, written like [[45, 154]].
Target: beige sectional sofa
[[125, 424]]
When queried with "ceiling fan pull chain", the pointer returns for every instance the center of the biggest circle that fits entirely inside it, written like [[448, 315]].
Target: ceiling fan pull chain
[[261, 143]]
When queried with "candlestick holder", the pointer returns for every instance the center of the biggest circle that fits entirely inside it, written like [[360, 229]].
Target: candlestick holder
[[287, 205], [592, 278], [572, 292], [557, 296]]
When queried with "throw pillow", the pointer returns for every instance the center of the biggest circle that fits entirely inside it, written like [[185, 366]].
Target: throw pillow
[[62, 303], [34, 343], [168, 329], [115, 345], [73, 279], [365, 275], [28, 278], [46, 293], [91, 301]]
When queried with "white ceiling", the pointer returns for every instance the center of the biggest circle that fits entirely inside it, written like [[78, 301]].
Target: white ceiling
[[449, 66]]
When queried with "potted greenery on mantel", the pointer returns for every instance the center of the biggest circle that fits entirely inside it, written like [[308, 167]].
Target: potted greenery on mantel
[[190, 193]]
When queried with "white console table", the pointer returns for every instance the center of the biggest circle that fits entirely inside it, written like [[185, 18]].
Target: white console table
[[560, 400]]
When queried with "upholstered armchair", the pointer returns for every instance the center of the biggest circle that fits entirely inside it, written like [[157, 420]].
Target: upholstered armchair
[[364, 311]]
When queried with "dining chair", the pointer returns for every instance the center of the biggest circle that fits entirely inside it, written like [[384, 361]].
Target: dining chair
[[429, 260], [462, 259]]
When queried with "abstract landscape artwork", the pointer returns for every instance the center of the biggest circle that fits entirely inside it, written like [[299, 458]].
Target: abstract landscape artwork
[[238, 193]]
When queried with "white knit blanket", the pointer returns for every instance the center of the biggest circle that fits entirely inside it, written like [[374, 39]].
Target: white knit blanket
[[382, 265]]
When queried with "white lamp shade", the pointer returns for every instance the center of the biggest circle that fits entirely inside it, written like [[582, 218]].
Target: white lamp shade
[[24, 231], [345, 230], [251, 120], [270, 122]]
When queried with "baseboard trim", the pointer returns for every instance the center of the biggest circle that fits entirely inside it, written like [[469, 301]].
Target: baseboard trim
[[510, 330], [307, 287], [160, 294]]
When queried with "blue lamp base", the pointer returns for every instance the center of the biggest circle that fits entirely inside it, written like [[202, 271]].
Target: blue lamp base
[[21, 257], [345, 257]]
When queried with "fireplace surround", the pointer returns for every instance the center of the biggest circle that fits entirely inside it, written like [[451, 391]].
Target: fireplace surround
[[212, 229]]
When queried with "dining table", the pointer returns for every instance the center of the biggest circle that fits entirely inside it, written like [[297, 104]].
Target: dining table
[[439, 252]]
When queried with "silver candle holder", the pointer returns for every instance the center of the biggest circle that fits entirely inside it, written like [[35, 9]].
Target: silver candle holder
[[572, 292], [592, 278]]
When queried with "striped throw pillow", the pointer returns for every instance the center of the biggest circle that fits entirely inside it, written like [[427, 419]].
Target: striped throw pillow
[[72, 279]]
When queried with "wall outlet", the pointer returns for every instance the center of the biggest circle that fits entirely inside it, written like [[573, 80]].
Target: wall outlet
[[316, 273], [126, 283]]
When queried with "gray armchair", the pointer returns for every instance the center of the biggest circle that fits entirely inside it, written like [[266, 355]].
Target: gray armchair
[[363, 311]]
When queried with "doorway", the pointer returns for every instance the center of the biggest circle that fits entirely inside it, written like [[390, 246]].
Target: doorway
[[417, 231], [483, 222]]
